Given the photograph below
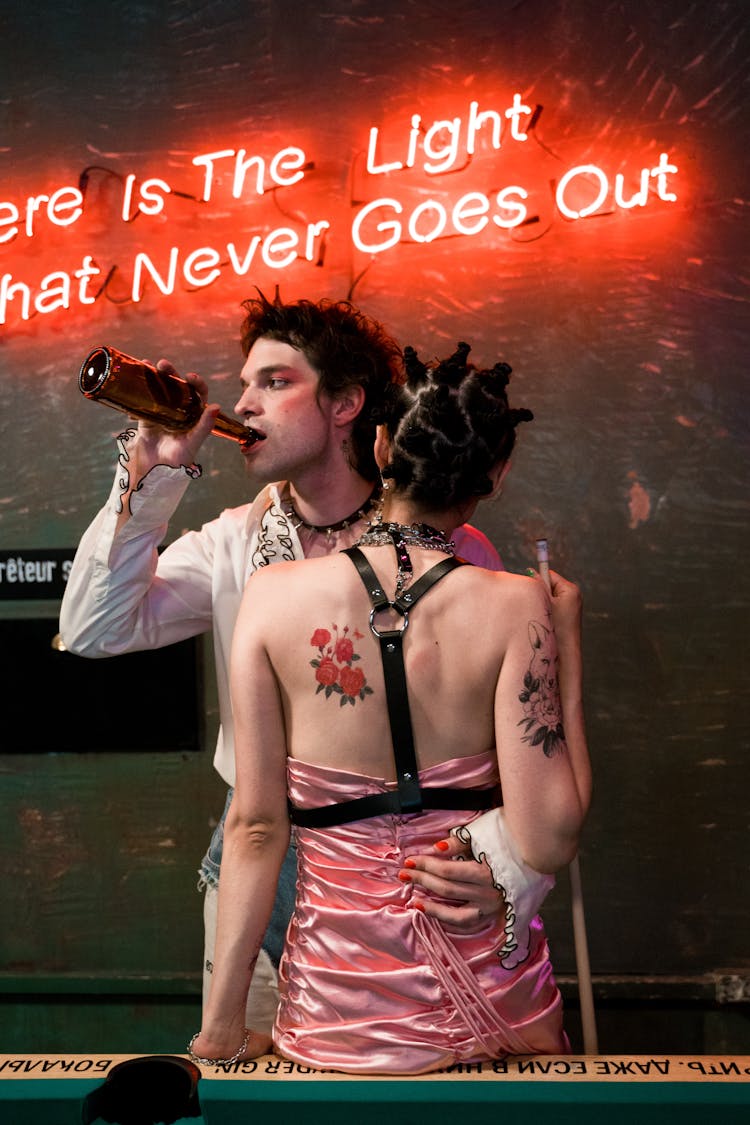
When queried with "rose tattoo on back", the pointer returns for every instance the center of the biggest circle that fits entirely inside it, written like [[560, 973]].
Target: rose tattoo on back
[[334, 667]]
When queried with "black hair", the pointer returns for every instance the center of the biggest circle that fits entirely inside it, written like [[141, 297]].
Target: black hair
[[449, 425], [346, 348]]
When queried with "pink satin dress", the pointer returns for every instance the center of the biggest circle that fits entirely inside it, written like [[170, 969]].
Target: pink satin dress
[[371, 985]]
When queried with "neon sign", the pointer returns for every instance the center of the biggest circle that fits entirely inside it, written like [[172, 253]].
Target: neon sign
[[473, 211], [416, 207], [441, 157]]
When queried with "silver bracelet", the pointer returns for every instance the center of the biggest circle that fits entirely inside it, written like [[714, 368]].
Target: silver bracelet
[[218, 1062]]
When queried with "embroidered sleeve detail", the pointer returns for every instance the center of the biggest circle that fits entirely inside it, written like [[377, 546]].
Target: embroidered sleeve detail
[[166, 471], [274, 539], [523, 888], [123, 472]]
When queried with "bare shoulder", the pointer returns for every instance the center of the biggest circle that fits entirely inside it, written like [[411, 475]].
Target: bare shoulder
[[514, 589], [269, 577], [289, 580], [508, 600]]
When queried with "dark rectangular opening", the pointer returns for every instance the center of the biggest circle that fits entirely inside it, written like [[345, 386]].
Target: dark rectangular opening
[[60, 702]]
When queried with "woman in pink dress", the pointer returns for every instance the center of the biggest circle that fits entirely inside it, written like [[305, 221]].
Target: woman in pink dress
[[389, 700]]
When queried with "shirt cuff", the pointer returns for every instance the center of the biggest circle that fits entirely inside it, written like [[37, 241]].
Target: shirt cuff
[[159, 491], [524, 888]]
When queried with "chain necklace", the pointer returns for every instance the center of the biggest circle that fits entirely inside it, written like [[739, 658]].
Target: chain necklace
[[402, 536], [329, 529]]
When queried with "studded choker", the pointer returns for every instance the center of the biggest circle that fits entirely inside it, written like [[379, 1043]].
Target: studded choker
[[331, 528]]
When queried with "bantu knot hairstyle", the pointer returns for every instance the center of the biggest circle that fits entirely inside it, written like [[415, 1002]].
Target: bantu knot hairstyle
[[450, 425]]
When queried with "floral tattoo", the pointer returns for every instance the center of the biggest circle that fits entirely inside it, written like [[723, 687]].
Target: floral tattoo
[[540, 696], [334, 669]]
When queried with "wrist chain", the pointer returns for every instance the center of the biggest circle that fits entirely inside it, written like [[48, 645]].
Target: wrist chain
[[218, 1062]]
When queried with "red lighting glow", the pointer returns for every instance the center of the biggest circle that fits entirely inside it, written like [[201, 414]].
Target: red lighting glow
[[454, 177]]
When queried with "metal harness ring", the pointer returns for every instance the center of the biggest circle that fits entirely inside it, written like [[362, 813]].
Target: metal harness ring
[[380, 609]]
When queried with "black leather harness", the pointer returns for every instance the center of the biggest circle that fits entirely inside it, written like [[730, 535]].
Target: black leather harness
[[409, 796]]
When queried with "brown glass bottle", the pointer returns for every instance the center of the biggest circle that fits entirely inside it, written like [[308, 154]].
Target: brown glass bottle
[[139, 389]]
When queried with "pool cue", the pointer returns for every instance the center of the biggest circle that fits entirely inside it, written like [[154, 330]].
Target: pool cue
[[583, 968]]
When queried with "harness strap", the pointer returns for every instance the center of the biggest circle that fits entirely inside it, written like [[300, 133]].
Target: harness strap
[[381, 804], [392, 654], [408, 797]]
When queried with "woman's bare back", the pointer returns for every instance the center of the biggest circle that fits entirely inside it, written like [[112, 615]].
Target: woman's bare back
[[328, 665]]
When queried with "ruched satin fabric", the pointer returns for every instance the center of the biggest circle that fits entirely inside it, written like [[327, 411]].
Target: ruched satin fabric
[[368, 983]]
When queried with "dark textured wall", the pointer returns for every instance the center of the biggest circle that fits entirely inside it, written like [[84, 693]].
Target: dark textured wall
[[628, 337]]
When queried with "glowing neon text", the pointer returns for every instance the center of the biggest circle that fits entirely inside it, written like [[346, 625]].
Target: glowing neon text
[[405, 213], [441, 155], [378, 225], [61, 209]]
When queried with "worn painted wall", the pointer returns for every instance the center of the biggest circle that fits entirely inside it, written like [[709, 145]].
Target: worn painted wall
[[627, 333]]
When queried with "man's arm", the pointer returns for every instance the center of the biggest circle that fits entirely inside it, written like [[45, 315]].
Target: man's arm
[[120, 595], [154, 446]]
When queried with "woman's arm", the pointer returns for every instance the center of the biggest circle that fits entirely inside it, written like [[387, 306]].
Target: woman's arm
[[543, 805], [566, 618], [256, 832], [472, 887]]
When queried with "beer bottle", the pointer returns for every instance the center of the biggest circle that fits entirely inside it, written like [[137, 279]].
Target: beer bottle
[[141, 390]]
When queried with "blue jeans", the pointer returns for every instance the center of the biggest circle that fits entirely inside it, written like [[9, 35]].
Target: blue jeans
[[273, 942]]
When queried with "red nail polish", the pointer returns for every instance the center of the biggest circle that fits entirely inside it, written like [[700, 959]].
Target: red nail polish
[[442, 845], [409, 863], [418, 906], [404, 877]]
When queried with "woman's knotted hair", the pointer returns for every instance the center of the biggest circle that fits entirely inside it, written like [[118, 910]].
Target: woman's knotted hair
[[449, 424]]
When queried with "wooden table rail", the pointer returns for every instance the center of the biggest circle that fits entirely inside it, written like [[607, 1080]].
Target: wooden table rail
[[575, 1089]]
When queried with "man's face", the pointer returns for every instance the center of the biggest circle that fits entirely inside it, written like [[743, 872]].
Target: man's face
[[280, 401]]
